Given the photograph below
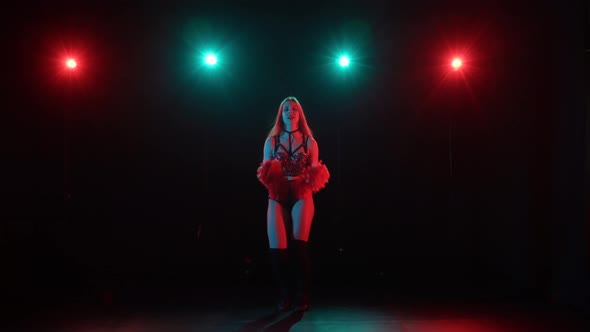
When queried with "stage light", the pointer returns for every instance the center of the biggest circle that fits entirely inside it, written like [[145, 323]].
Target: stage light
[[71, 63], [210, 59], [344, 61], [456, 63]]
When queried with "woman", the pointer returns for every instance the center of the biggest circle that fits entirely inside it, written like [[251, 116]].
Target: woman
[[292, 172]]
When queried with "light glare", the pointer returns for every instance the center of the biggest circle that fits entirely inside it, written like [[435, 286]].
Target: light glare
[[71, 63], [211, 59], [344, 61], [456, 64]]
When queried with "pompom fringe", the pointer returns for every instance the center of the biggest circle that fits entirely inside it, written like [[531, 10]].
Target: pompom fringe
[[270, 173], [316, 176]]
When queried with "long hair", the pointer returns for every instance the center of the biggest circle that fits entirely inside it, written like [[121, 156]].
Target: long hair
[[279, 125]]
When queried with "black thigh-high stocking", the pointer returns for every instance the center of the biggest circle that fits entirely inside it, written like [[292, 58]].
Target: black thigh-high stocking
[[280, 268], [302, 273]]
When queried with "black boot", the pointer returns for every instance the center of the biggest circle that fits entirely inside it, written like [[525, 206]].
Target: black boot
[[302, 273], [280, 268]]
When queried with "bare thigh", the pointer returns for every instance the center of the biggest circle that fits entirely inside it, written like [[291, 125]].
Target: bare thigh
[[277, 218], [302, 215]]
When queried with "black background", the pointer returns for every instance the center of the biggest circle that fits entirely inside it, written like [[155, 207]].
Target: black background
[[162, 153]]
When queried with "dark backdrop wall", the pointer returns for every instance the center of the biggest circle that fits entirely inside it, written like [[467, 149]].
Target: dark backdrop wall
[[161, 154]]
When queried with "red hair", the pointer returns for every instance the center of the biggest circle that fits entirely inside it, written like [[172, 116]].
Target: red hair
[[279, 125]]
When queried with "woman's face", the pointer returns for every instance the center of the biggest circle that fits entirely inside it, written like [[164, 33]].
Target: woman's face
[[291, 112]]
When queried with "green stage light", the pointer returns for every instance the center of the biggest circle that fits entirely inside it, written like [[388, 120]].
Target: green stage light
[[344, 61], [210, 59]]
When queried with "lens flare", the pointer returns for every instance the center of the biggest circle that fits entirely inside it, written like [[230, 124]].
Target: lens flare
[[456, 63], [71, 63]]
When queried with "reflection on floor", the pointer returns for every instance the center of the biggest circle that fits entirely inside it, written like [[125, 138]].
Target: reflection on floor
[[245, 310]]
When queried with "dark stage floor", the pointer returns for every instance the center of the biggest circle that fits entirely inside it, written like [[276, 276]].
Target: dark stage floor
[[250, 308]]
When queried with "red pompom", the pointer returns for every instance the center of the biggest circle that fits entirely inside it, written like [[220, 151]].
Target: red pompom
[[270, 173], [316, 176]]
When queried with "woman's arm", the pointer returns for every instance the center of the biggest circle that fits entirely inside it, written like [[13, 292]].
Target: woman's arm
[[317, 175], [267, 152], [314, 151], [269, 170]]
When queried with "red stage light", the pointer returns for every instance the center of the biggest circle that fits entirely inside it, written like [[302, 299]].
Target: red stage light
[[71, 63], [456, 63]]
